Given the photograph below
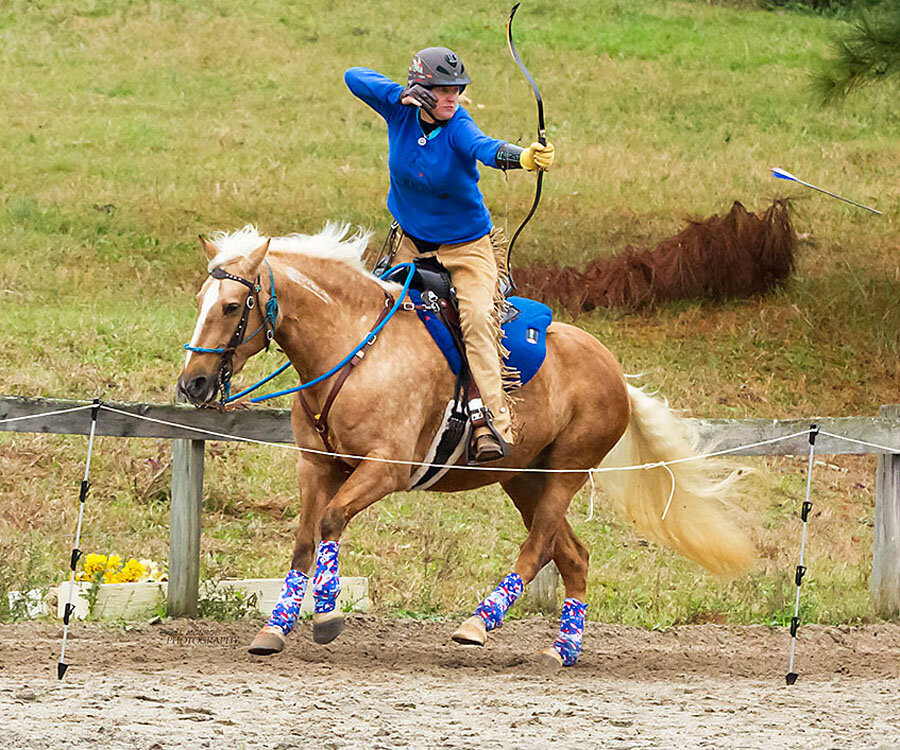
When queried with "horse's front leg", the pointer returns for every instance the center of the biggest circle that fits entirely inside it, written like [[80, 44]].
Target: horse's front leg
[[370, 482], [319, 481]]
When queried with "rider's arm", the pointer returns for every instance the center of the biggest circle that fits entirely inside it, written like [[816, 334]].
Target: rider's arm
[[468, 139], [509, 156], [499, 154], [538, 156], [375, 89]]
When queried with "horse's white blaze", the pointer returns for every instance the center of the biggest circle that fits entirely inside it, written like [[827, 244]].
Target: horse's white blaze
[[209, 299], [308, 284]]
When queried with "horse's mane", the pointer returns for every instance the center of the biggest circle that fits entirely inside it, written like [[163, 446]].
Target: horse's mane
[[329, 244]]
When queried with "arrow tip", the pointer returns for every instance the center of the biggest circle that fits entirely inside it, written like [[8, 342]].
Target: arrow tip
[[782, 174], [61, 670]]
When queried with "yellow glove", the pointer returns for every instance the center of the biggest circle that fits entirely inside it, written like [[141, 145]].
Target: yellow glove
[[537, 157]]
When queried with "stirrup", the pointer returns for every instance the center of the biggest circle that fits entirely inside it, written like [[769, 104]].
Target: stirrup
[[496, 447]]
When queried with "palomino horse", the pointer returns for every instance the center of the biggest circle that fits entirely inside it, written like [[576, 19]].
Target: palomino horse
[[570, 416]]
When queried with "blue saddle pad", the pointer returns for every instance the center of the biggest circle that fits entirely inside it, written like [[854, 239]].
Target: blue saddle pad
[[525, 336]]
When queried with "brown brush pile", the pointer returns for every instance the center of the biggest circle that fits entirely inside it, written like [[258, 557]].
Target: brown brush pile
[[737, 255]]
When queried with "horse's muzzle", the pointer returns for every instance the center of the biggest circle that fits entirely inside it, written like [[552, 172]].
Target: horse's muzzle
[[199, 389]]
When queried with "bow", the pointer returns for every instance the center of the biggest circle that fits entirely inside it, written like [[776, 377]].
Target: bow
[[542, 138]]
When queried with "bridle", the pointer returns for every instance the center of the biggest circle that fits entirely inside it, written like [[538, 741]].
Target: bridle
[[226, 366]]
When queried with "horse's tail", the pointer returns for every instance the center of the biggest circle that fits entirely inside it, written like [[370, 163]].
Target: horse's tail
[[697, 522]]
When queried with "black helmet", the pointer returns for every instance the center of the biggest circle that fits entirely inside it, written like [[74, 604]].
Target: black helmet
[[437, 66]]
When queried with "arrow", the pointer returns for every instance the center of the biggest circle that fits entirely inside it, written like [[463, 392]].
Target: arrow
[[783, 174]]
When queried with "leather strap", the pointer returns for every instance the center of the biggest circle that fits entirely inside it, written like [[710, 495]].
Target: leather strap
[[320, 421], [450, 316]]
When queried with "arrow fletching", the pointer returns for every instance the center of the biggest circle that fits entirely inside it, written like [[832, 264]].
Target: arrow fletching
[[783, 174]]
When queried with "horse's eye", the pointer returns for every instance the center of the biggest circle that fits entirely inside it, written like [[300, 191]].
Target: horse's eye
[[231, 308]]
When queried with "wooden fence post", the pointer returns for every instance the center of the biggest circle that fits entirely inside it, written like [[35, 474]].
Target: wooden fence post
[[542, 590], [184, 528], [886, 544]]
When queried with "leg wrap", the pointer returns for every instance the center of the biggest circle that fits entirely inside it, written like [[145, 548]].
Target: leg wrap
[[494, 607], [287, 608], [327, 583], [571, 628]]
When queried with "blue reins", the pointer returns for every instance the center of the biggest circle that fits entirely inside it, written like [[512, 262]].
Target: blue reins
[[370, 337]]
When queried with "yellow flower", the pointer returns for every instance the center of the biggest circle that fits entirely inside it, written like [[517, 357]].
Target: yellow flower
[[112, 570], [132, 572], [93, 564]]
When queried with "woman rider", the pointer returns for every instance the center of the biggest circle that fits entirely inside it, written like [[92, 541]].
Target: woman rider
[[434, 147]]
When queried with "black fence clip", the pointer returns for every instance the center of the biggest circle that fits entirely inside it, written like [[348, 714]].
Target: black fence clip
[[813, 432], [804, 510], [85, 485], [795, 624], [95, 410], [76, 556], [70, 609], [801, 571]]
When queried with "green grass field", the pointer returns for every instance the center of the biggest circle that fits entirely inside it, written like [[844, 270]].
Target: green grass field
[[127, 128]]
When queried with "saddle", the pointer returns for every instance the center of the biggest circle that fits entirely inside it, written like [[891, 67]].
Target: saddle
[[524, 324], [432, 294]]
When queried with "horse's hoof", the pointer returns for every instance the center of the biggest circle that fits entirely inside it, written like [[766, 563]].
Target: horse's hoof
[[549, 660], [269, 640], [327, 626], [471, 633]]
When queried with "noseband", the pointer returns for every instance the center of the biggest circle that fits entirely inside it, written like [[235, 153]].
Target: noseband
[[226, 367]]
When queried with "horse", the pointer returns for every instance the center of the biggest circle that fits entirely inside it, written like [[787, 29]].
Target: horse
[[576, 412]]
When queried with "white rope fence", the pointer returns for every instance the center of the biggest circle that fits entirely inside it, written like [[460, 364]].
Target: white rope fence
[[46, 414], [457, 467], [500, 469], [811, 432]]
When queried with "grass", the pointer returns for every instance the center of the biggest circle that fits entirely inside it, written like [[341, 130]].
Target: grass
[[130, 127]]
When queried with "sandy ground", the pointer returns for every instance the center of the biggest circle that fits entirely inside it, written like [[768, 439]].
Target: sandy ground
[[394, 683]]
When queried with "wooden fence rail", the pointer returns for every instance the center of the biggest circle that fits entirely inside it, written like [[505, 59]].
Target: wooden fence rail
[[273, 425]]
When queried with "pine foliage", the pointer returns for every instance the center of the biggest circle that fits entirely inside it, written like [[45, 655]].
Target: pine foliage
[[868, 52]]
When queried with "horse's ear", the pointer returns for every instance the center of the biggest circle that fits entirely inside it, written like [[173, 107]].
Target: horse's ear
[[250, 265], [211, 250]]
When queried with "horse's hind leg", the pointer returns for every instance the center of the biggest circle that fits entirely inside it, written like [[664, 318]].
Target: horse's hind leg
[[319, 480], [571, 557], [542, 500]]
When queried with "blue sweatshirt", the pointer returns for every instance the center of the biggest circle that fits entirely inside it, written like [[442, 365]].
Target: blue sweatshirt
[[434, 191]]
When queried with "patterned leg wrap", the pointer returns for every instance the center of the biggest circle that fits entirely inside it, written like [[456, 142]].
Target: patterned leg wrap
[[327, 583], [287, 608], [571, 628], [494, 607]]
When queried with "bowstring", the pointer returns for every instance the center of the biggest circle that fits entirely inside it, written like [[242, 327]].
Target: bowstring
[[506, 171]]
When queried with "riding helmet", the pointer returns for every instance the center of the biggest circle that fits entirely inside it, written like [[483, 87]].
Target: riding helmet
[[437, 66]]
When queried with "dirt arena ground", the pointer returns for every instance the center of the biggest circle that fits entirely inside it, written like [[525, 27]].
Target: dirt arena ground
[[396, 683]]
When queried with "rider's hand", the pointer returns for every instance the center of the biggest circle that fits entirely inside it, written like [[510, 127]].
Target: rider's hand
[[417, 95], [537, 157]]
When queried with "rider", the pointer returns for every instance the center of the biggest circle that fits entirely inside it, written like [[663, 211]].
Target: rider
[[434, 147]]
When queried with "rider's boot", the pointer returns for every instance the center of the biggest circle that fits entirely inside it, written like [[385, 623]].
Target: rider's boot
[[489, 446]]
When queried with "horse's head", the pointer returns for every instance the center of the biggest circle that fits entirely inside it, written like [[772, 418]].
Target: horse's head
[[231, 326]]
